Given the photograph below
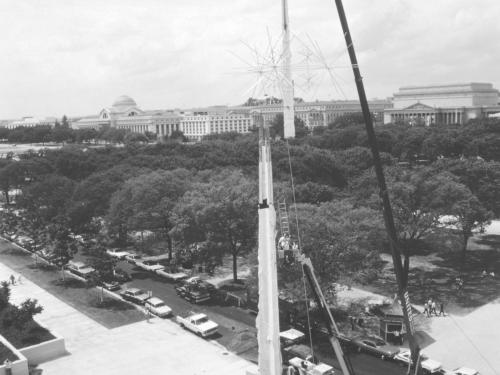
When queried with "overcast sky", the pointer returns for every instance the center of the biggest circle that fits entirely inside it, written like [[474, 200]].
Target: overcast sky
[[75, 57]]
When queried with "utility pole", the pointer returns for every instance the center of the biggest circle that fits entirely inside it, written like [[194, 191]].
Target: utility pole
[[384, 194], [287, 83]]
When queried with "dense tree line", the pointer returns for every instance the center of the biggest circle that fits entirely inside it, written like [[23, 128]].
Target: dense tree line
[[63, 133], [198, 201]]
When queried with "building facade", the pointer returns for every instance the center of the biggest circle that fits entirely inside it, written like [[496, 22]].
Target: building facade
[[30, 122], [125, 114], [195, 127], [319, 113], [443, 104], [196, 123]]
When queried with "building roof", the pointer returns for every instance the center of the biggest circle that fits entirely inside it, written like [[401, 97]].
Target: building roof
[[123, 102]]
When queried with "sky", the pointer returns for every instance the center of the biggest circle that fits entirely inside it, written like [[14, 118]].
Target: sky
[[75, 57]]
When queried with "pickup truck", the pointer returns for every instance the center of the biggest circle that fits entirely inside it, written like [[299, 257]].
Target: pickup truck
[[198, 323], [193, 293], [80, 269], [304, 367]]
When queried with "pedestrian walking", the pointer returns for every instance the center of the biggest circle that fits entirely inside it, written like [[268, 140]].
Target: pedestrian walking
[[12, 279], [433, 308], [351, 319], [426, 309], [441, 309]]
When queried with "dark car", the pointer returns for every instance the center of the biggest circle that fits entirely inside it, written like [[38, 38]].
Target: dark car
[[110, 285], [121, 276], [193, 293], [301, 351], [375, 346]]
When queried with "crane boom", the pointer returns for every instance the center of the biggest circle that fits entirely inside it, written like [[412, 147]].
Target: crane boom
[[331, 326]]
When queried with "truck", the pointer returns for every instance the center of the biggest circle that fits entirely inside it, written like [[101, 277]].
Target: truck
[[192, 293], [304, 367], [198, 323]]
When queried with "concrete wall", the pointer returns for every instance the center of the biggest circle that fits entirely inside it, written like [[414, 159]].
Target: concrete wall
[[19, 367], [44, 351]]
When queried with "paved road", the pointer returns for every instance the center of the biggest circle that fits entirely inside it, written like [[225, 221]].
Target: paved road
[[363, 364], [232, 320]]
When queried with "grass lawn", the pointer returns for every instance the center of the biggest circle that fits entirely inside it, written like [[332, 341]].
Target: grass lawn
[[6, 353], [439, 281], [111, 313], [29, 334]]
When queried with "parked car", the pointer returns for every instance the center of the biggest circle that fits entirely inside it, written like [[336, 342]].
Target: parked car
[[375, 346], [199, 324], [158, 307], [80, 269], [133, 258], [110, 285], [462, 371], [121, 276], [117, 253], [298, 350], [25, 241], [193, 293], [176, 276], [135, 295], [197, 281], [291, 336], [150, 265], [429, 365]]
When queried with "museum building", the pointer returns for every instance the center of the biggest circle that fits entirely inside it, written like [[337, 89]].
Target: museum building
[[443, 104], [125, 114]]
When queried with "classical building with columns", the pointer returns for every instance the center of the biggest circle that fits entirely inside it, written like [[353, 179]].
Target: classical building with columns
[[125, 114], [443, 104]]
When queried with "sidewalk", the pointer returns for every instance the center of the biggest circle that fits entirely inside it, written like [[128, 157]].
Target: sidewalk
[[470, 340], [158, 346]]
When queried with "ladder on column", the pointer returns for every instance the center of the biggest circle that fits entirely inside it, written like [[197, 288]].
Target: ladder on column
[[283, 216]]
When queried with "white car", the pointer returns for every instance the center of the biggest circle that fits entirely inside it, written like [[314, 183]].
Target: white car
[[150, 265], [199, 324], [117, 253], [462, 371], [158, 307], [133, 258], [430, 365]]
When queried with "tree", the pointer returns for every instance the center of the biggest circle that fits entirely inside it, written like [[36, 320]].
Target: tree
[[11, 176], [48, 197], [342, 242], [224, 210], [178, 135], [131, 138], [419, 198], [347, 120], [62, 244], [466, 214], [147, 202]]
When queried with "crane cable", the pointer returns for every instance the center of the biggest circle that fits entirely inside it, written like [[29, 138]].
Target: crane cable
[[299, 243], [473, 344]]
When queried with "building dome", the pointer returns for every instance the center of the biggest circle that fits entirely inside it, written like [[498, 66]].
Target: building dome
[[123, 102]]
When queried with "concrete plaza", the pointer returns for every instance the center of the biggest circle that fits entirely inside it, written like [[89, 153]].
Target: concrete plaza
[[155, 347]]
